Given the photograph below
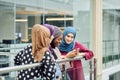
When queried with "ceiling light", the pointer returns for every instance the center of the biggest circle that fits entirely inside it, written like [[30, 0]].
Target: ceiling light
[[21, 20], [58, 19]]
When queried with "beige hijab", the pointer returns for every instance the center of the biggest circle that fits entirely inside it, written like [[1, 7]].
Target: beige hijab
[[40, 41]]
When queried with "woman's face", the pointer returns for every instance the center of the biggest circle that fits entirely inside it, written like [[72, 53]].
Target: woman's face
[[69, 38], [57, 41]]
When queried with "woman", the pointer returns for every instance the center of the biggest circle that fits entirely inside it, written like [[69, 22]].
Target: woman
[[38, 52], [55, 51], [70, 46], [54, 48]]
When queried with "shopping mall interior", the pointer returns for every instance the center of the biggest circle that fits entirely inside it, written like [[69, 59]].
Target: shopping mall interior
[[97, 23]]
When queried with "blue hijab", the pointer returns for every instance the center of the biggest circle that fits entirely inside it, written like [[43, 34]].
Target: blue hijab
[[64, 46]]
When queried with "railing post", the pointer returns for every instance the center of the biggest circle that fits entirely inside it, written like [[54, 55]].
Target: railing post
[[63, 72], [94, 68], [90, 69]]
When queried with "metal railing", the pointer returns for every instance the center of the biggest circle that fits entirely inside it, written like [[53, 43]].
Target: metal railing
[[20, 67], [10, 69], [90, 74]]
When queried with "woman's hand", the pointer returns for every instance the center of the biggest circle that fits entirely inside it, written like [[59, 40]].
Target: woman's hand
[[71, 54], [63, 57], [81, 54]]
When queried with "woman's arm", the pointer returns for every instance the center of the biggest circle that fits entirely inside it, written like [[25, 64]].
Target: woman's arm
[[88, 54]]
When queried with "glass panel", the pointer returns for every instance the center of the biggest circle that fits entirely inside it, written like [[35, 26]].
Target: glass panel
[[7, 36], [111, 37], [6, 23], [115, 76], [82, 17]]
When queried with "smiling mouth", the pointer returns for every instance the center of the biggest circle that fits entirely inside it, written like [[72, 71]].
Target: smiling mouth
[[69, 41]]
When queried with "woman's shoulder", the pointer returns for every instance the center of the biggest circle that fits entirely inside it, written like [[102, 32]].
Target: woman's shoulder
[[28, 46], [77, 43], [47, 53], [27, 50]]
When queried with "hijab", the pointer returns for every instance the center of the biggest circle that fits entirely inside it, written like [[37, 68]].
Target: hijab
[[52, 30], [64, 46], [56, 34], [40, 41], [50, 27]]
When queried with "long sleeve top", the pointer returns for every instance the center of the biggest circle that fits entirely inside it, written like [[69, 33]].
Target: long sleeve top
[[46, 70], [76, 72]]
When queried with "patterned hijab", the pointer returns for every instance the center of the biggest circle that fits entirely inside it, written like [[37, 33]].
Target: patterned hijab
[[40, 41], [64, 46]]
